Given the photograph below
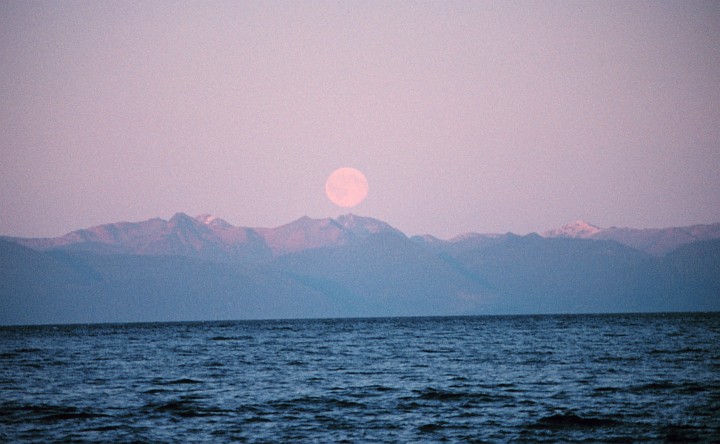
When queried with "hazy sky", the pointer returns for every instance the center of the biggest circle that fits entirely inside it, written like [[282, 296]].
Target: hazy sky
[[464, 116]]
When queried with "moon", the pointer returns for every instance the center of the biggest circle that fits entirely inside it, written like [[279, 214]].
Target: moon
[[346, 187]]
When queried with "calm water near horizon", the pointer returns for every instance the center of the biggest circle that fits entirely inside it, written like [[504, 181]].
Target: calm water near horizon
[[555, 378]]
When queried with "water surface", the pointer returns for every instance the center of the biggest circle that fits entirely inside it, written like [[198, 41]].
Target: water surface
[[611, 378]]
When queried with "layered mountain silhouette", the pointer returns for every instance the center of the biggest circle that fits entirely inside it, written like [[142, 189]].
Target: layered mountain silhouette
[[211, 238], [204, 268], [656, 241]]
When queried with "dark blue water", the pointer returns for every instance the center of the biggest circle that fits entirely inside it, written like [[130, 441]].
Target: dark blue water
[[618, 378]]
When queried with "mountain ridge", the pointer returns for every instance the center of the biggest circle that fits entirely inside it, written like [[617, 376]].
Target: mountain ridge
[[656, 241], [203, 268], [211, 237]]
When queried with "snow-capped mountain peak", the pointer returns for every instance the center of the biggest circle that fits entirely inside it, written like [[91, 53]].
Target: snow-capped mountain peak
[[209, 219], [576, 229], [206, 218]]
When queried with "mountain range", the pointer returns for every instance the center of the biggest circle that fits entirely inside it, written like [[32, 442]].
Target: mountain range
[[204, 268]]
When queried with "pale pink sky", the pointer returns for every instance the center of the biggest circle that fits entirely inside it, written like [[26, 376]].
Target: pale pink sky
[[464, 116]]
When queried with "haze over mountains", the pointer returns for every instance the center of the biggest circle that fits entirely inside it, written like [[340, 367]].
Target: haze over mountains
[[203, 268]]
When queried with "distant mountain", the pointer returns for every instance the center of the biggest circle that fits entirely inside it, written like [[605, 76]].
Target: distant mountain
[[198, 268], [386, 274], [306, 233], [463, 242], [578, 229], [211, 238], [656, 241], [566, 275], [77, 287], [204, 237]]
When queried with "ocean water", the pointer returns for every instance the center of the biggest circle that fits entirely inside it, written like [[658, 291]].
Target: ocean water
[[600, 378]]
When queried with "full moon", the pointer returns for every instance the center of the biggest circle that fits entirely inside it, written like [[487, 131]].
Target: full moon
[[346, 187]]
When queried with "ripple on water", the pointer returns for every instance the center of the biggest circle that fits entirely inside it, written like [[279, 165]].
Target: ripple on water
[[493, 379]]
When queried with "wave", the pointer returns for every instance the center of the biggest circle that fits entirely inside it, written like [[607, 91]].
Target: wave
[[181, 381], [185, 407], [682, 388], [23, 413], [315, 402], [571, 420], [185, 381], [432, 394]]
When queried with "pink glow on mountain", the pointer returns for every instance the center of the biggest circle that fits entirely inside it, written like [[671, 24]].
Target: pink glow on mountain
[[577, 229]]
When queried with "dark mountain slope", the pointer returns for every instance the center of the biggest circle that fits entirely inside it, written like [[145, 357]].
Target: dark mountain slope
[[538, 275], [35, 286], [71, 287], [391, 276], [693, 276], [204, 268]]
